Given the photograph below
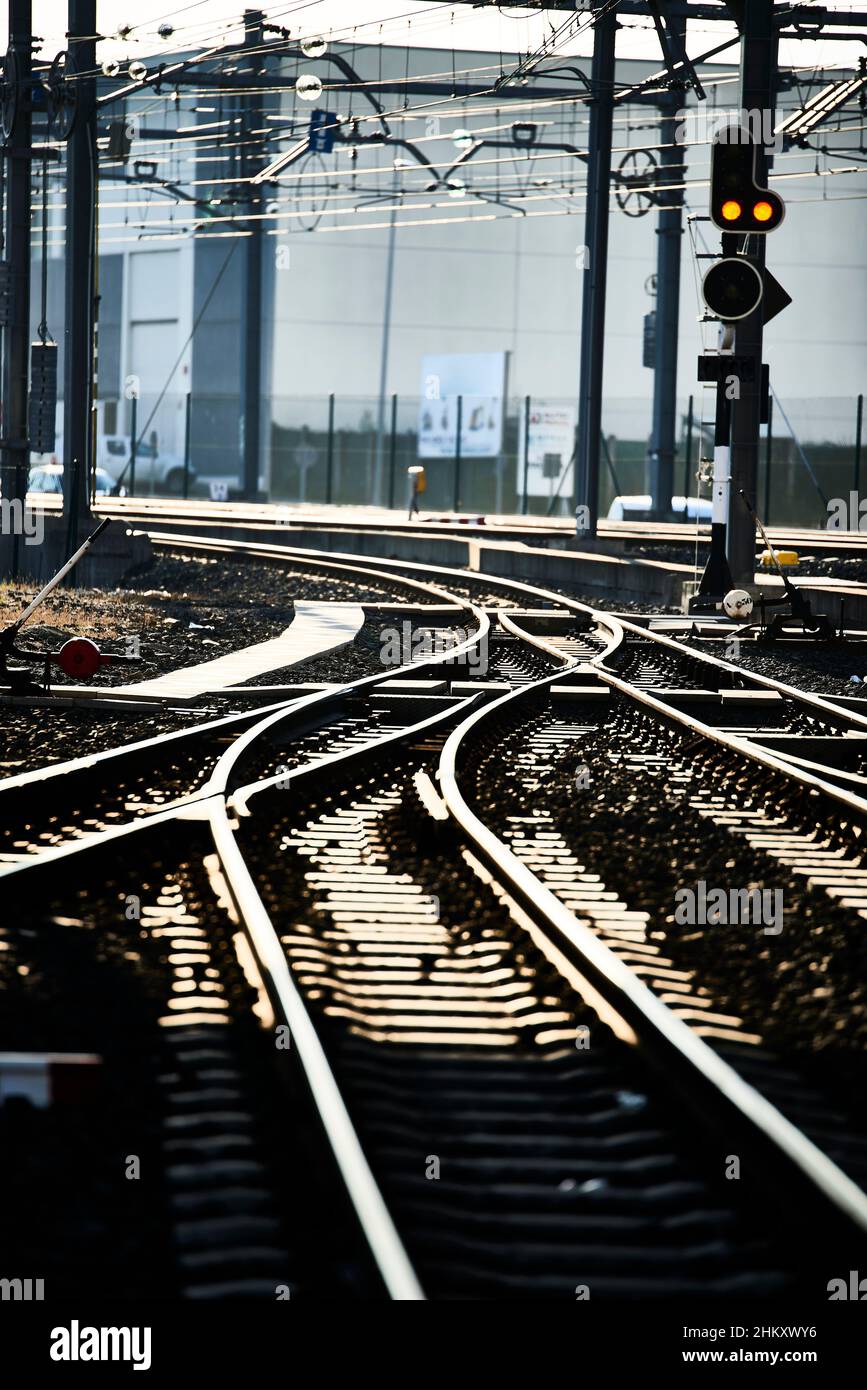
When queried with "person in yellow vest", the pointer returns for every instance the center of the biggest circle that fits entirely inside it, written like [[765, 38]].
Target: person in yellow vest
[[418, 483]]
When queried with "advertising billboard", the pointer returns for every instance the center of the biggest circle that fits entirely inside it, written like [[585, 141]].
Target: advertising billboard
[[479, 379], [550, 435]]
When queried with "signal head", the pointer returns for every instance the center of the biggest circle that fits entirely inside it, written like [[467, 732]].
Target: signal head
[[737, 203], [732, 288]]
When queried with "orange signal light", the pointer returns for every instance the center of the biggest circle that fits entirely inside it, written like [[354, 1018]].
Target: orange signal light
[[731, 210], [763, 212]]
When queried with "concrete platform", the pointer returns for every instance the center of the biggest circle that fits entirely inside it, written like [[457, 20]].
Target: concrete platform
[[317, 628], [541, 550]]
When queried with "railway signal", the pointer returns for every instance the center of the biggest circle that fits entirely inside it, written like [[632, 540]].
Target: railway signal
[[774, 297], [732, 288], [737, 202]]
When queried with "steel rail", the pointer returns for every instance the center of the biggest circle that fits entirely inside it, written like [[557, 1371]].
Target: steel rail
[[193, 805], [619, 624], [374, 1218], [228, 761], [700, 1071], [688, 1054], [259, 720], [740, 743], [711, 1083], [219, 810], [89, 761], [519, 588], [373, 1215], [819, 703]]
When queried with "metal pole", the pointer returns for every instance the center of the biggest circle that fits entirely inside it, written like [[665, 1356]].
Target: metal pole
[[252, 122], [859, 420], [716, 579], [687, 467], [187, 421], [80, 273], [609, 463], [133, 444], [669, 231], [596, 240], [329, 459], [383, 359], [14, 453], [457, 499], [769, 444], [758, 73], [525, 499], [392, 450]]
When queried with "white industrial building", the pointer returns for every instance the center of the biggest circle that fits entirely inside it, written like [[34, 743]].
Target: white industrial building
[[470, 274]]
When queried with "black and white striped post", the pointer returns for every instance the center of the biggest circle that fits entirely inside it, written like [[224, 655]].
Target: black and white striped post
[[717, 580]]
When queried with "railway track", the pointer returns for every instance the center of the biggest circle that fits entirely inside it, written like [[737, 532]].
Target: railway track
[[758, 706], [518, 1090], [514, 1163], [57, 805]]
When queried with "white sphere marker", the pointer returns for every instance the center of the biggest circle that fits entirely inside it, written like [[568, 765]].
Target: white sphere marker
[[738, 603]]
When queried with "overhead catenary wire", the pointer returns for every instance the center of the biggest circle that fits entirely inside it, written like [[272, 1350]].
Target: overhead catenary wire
[[216, 143]]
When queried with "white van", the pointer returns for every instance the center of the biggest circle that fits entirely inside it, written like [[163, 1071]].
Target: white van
[[153, 469], [637, 507]]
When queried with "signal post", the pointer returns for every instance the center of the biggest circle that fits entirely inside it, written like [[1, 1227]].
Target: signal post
[[741, 293]]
